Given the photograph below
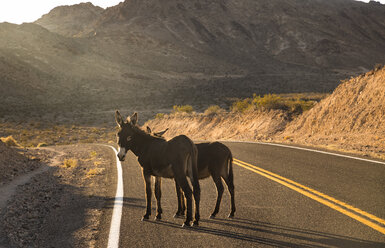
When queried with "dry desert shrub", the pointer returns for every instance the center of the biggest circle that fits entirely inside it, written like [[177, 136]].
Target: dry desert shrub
[[70, 163], [9, 141], [213, 110], [182, 109], [95, 171]]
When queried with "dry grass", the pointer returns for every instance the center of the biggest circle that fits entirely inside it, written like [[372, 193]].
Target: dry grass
[[9, 141], [95, 171], [70, 163], [214, 110], [93, 154]]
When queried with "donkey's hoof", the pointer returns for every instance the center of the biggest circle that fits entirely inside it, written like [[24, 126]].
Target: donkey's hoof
[[195, 223], [146, 217], [177, 215], [158, 218], [212, 216], [186, 224], [231, 215]]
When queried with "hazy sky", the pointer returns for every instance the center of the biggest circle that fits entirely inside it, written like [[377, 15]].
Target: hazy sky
[[19, 11]]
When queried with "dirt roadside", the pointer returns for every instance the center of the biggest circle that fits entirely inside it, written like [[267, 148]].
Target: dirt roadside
[[62, 202]]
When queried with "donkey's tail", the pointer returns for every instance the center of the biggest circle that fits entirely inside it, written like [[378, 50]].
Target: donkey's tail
[[194, 165], [230, 166]]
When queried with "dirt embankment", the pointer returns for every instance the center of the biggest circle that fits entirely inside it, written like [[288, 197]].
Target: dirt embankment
[[257, 125], [352, 119]]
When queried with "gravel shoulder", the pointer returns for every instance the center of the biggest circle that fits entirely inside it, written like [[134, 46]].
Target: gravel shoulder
[[63, 201]]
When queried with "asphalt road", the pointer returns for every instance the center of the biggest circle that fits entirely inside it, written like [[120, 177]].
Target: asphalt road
[[269, 214]]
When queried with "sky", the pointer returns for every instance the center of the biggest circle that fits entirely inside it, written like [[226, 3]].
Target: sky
[[19, 11]]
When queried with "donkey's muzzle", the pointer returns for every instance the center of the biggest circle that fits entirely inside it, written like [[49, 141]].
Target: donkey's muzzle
[[121, 154], [121, 158]]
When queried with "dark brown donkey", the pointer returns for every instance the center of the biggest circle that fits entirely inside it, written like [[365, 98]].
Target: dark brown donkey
[[176, 158], [215, 160]]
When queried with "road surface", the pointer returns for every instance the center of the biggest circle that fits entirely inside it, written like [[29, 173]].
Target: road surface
[[285, 197]]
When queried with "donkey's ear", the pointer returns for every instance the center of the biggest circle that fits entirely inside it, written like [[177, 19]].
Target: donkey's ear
[[161, 132], [118, 118], [148, 129], [134, 118]]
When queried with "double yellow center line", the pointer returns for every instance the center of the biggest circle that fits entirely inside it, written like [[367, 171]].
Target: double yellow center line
[[353, 212]]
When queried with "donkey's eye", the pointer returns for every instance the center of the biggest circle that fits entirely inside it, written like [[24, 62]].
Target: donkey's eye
[[128, 138]]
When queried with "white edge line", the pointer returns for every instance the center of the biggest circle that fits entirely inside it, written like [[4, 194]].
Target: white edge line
[[305, 149], [113, 237]]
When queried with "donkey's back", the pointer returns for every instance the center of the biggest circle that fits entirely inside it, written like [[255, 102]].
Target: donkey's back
[[213, 158]]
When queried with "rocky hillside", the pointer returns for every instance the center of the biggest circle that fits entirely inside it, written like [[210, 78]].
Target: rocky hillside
[[351, 119], [149, 55], [70, 20], [353, 116]]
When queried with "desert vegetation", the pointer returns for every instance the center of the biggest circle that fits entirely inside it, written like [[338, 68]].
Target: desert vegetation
[[292, 103], [36, 135]]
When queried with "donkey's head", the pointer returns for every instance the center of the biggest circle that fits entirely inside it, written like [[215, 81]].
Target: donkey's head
[[125, 133]]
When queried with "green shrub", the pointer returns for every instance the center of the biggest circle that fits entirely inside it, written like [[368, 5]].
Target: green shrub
[[269, 101], [300, 106], [183, 109], [213, 110], [242, 105], [159, 116], [293, 103]]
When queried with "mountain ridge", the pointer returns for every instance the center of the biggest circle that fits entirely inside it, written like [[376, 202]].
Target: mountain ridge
[[162, 53]]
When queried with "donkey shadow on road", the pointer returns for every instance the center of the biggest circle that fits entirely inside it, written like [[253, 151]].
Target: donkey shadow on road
[[258, 232], [242, 229]]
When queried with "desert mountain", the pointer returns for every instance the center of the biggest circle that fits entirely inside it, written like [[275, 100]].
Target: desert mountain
[[150, 54]]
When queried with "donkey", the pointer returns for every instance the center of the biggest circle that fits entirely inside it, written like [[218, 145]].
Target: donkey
[[176, 158], [215, 160]]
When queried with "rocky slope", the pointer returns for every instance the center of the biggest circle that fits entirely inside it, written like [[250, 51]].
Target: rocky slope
[[352, 118], [148, 55]]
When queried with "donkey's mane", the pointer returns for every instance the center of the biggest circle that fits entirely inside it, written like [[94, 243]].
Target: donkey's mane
[[145, 134]]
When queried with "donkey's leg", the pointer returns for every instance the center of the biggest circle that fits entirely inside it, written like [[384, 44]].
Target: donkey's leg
[[218, 183], [147, 180], [195, 183], [230, 186], [182, 181], [197, 197], [158, 195], [181, 204]]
